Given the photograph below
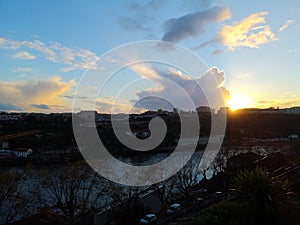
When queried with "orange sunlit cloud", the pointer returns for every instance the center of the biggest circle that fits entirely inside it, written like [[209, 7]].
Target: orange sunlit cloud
[[249, 32], [24, 94]]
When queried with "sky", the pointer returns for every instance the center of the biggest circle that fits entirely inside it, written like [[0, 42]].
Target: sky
[[250, 47]]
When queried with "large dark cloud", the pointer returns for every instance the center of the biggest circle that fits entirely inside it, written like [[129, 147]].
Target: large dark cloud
[[209, 84], [193, 24]]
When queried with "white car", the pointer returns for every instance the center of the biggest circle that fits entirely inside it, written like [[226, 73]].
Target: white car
[[174, 208], [148, 219]]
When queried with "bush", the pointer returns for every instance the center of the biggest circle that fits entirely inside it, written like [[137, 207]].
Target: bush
[[227, 213]]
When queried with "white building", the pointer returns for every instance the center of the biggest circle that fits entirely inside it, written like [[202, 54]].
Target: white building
[[22, 152], [295, 110]]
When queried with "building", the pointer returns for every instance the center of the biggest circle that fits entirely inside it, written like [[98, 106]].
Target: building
[[294, 110], [293, 136], [271, 110], [5, 154], [5, 117], [22, 152], [272, 161], [18, 152], [144, 133], [205, 109], [243, 161], [223, 110]]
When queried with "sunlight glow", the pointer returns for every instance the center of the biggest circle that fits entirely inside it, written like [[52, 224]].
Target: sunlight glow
[[238, 102]]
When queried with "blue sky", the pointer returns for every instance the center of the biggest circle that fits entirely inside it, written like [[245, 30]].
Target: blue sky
[[46, 46]]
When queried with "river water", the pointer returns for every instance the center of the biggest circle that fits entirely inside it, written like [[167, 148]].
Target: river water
[[34, 181]]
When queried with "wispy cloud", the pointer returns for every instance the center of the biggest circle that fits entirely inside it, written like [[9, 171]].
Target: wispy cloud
[[73, 58], [132, 24], [285, 25], [22, 70], [250, 32], [292, 50], [282, 102], [24, 55], [217, 52], [193, 24]]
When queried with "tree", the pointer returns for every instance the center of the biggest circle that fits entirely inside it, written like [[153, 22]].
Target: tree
[[187, 178], [225, 213], [128, 210], [261, 191], [75, 191], [17, 198], [164, 190]]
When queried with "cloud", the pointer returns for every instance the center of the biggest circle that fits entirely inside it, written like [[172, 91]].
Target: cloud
[[292, 50], [9, 107], [141, 15], [217, 52], [73, 58], [193, 24], [103, 105], [132, 24], [22, 75], [40, 106], [152, 4], [24, 55], [282, 102], [197, 4], [250, 32], [211, 82], [285, 25], [72, 97], [27, 93], [22, 70]]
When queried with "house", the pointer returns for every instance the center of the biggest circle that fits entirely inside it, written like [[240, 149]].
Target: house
[[295, 110], [143, 133], [5, 154], [272, 161], [22, 152], [242, 161], [293, 136], [5, 117]]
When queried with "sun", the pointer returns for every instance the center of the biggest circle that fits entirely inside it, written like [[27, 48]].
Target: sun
[[238, 102]]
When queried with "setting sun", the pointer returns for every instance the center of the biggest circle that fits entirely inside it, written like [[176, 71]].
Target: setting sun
[[238, 102]]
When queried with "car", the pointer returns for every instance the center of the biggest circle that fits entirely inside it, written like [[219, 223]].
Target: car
[[173, 208], [200, 191], [217, 195], [149, 219]]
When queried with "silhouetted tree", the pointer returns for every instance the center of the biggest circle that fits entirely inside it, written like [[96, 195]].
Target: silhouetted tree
[[75, 191], [17, 196]]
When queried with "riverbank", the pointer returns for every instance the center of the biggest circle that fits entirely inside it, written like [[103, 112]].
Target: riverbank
[[40, 160]]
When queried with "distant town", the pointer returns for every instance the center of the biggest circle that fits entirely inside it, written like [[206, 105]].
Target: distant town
[[39, 155], [104, 116], [50, 136]]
